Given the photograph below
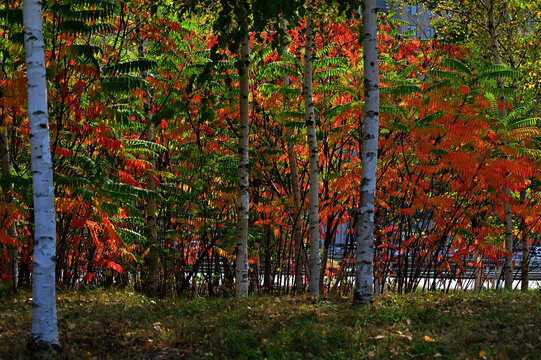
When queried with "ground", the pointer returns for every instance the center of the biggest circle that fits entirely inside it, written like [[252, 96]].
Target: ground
[[115, 324]]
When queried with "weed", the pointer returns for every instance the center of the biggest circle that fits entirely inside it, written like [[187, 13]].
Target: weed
[[112, 324]]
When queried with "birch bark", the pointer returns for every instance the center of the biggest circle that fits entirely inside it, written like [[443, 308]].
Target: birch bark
[[313, 220], [363, 292], [244, 171], [44, 335]]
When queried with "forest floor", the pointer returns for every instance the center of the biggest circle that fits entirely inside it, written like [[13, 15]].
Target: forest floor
[[114, 324]]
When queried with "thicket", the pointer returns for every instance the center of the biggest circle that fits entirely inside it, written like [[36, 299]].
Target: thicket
[[115, 70]]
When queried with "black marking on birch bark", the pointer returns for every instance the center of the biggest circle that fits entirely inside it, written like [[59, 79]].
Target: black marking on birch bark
[[368, 137]]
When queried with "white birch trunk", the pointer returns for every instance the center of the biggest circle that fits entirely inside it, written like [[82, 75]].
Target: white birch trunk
[[363, 292], [44, 334], [313, 220], [242, 280]]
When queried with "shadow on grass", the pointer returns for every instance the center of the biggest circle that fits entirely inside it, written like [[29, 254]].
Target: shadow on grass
[[113, 324]]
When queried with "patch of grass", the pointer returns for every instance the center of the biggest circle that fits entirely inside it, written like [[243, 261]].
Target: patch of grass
[[113, 324]]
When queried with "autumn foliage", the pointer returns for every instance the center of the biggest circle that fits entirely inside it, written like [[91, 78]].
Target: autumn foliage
[[445, 154]]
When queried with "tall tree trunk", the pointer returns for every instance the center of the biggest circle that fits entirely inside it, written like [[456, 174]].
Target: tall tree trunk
[[153, 257], [525, 265], [297, 223], [295, 189], [313, 221], [363, 292], [244, 170], [508, 221], [44, 335], [13, 253]]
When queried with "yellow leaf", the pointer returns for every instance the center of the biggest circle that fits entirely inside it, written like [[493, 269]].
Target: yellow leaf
[[428, 338], [482, 354]]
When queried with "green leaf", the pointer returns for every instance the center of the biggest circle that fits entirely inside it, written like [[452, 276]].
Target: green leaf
[[456, 65], [399, 126], [401, 90], [130, 66], [439, 152], [125, 83]]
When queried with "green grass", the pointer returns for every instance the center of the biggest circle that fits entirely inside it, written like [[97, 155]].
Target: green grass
[[98, 324]]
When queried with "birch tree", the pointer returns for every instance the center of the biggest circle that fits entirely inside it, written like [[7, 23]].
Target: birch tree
[[363, 291], [244, 169], [44, 335], [313, 220]]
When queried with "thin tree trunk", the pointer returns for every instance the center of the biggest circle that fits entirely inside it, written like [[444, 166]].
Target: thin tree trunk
[[478, 283], [295, 189], [363, 292], [244, 171], [508, 265], [44, 335], [313, 222], [267, 275], [297, 223], [525, 265], [153, 257], [13, 253]]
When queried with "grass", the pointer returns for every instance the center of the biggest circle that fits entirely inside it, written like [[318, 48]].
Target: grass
[[113, 324]]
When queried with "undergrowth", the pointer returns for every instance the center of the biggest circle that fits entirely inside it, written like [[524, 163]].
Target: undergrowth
[[115, 324]]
